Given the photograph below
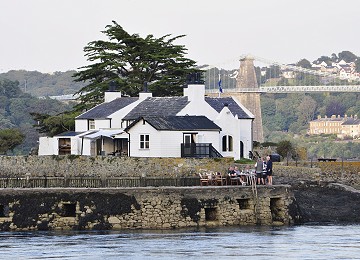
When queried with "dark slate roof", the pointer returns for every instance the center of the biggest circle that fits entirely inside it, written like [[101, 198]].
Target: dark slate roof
[[157, 106], [352, 121], [69, 134], [329, 119], [219, 103], [106, 109], [182, 123]]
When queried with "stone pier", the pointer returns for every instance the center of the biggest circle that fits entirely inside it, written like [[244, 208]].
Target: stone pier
[[143, 208]]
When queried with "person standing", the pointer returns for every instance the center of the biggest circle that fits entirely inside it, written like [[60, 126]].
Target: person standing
[[269, 165], [264, 171], [258, 170]]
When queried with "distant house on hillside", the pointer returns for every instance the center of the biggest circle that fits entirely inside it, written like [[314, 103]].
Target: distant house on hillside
[[341, 126], [326, 125], [288, 74], [350, 128], [189, 126]]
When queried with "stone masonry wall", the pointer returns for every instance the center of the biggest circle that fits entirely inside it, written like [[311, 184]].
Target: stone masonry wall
[[143, 208], [107, 166], [293, 174]]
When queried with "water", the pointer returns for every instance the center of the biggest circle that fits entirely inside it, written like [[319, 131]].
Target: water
[[296, 242]]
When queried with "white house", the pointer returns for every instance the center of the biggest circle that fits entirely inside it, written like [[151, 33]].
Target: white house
[[173, 136], [189, 126]]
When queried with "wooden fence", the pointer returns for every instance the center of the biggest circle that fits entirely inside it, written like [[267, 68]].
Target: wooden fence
[[93, 182]]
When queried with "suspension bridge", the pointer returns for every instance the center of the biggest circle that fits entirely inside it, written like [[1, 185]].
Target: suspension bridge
[[245, 88]]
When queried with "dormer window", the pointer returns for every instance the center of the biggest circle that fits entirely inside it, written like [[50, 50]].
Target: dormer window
[[91, 124]]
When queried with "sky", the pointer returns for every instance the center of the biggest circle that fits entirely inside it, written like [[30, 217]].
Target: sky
[[49, 35]]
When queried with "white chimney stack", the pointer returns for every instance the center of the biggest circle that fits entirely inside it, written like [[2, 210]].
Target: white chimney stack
[[111, 95], [195, 92]]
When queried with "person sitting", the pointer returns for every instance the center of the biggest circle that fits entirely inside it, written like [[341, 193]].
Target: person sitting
[[232, 175], [239, 175], [231, 171]]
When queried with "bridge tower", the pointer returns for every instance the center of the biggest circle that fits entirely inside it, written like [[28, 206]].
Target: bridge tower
[[247, 93], [246, 79]]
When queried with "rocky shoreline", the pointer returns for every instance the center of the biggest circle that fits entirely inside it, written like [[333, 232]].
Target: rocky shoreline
[[324, 203]]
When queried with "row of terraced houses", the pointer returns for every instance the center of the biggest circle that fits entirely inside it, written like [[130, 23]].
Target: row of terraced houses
[[347, 126]]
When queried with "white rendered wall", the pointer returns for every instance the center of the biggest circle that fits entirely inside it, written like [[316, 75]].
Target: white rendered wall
[[81, 125], [47, 146], [229, 126], [165, 143], [246, 135], [86, 149], [75, 141], [102, 124], [134, 141]]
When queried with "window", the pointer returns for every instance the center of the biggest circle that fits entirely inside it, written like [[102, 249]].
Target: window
[[230, 144], [144, 141], [91, 124], [227, 143]]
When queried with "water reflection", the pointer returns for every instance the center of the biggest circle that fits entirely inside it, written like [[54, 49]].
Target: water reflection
[[296, 242]]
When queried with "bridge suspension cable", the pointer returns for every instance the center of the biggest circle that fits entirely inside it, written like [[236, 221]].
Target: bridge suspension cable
[[291, 89], [295, 68]]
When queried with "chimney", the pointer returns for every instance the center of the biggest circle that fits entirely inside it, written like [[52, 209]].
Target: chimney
[[195, 92], [145, 94], [111, 93], [145, 89]]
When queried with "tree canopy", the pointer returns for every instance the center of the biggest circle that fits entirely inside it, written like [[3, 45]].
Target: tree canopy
[[347, 56], [9, 139], [286, 149], [15, 109], [304, 63], [54, 124], [129, 61]]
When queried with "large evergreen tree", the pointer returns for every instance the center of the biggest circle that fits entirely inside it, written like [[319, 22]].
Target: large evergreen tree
[[9, 139], [129, 61]]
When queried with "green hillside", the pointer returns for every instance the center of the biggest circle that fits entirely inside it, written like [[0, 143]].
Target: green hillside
[[43, 84], [15, 109]]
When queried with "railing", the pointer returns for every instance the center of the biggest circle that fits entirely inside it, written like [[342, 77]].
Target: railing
[[199, 150], [214, 153], [96, 182]]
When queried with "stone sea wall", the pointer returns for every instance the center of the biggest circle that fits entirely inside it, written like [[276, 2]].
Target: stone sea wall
[[293, 174], [107, 166], [143, 208]]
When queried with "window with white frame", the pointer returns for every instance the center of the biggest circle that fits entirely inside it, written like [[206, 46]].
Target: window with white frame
[[144, 141], [227, 143], [91, 124]]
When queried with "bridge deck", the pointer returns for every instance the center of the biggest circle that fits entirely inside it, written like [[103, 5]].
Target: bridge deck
[[290, 89]]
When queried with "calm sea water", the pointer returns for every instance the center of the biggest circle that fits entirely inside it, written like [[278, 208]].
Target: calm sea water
[[296, 242]]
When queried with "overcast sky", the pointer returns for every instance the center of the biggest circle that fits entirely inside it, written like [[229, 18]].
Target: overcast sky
[[49, 35]]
